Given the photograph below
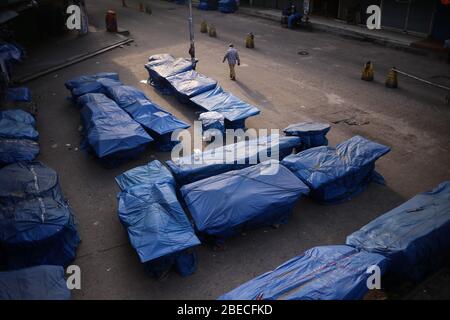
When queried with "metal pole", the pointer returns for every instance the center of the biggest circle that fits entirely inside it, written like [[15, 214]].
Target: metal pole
[[422, 80], [191, 35]]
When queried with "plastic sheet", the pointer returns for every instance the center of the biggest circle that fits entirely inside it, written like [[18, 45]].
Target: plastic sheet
[[79, 81], [17, 124], [414, 236], [337, 174], [153, 172], [231, 202], [320, 273], [235, 156], [125, 95], [159, 70], [16, 150], [36, 283], [313, 134], [190, 84]]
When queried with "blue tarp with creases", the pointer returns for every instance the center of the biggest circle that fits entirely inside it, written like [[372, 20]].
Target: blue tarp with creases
[[92, 97], [82, 80], [414, 236], [17, 150], [125, 95], [321, 273], [313, 134], [190, 84], [337, 174], [98, 83], [234, 201], [22, 94], [17, 124], [37, 226], [158, 228], [141, 108], [160, 70], [44, 282], [111, 133], [233, 109], [235, 156], [153, 172], [161, 125]]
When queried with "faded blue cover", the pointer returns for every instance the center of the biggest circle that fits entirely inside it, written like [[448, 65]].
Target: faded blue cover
[[414, 236], [153, 172], [256, 196], [44, 282], [313, 134], [18, 94], [161, 69], [337, 174], [92, 97], [141, 108], [190, 84], [17, 150], [232, 108], [157, 226], [195, 167], [125, 95], [36, 223], [79, 81], [17, 124], [111, 132], [212, 120], [320, 273]]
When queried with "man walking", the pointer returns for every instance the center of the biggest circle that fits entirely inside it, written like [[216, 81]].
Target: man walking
[[233, 57]]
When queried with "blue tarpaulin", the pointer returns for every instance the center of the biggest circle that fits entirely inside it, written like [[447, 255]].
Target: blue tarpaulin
[[190, 84], [256, 196], [98, 83], [125, 95], [233, 109], [313, 134], [16, 150], [143, 108], [22, 94], [337, 174], [211, 120], [153, 172], [160, 70], [414, 236], [235, 156], [112, 134], [36, 224], [320, 273], [161, 125], [208, 4], [227, 6], [158, 228], [17, 124], [82, 80], [36, 283], [92, 97]]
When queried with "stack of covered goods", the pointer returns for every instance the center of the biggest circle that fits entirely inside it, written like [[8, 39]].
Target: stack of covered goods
[[414, 237], [36, 223], [96, 83], [235, 201], [18, 137], [176, 76], [212, 120], [34, 283], [313, 134], [240, 155], [157, 226], [9, 54], [337, 174], [320, 273], [227, 6]]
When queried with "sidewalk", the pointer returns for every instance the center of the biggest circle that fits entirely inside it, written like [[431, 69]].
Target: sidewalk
[[387, 38]]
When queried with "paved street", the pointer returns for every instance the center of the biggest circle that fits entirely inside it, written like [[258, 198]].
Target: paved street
[[323, 85]]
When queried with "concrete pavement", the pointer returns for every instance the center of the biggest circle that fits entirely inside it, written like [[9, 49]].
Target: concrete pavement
[[323, 85]]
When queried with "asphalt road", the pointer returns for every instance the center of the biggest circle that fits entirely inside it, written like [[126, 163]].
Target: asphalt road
[[324, 85]]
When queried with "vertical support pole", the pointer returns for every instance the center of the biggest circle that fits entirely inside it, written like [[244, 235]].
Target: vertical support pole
[[405, 29], [191, 35]]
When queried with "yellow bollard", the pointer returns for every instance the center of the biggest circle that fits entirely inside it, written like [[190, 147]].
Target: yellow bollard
[[368, 72], [212, 31], [203, 27], [391, 81], [250, 41]]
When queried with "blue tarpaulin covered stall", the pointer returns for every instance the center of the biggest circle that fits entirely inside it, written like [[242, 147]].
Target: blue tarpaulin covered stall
[[37, 226], [142, 107], [233, 109], [153, 172], [17, 150], [234, 201], [125, 95], [320, 273], [17, 124], [161, 125], [313, 134], [158, 228], [98, 83], [82, 80], [337, 174], [112, 134], [36, 283], [235, 156], [190, 84], [160, 70], [415, 236], [92, 97]]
